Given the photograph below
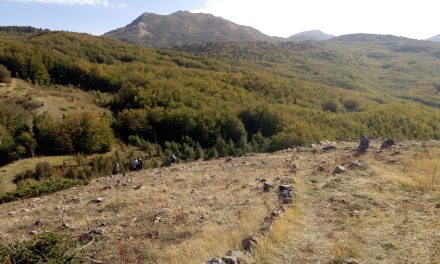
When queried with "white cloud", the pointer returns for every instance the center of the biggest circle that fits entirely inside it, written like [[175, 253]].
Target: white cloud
[[104, 3], [417, 19]]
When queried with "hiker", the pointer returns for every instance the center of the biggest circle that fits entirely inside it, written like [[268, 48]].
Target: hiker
[[140, 164], [135, 164]]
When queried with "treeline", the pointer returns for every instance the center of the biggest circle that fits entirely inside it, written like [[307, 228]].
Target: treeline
[[251, 97]]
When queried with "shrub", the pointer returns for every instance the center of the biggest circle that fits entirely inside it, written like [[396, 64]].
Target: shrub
[[43, 170], [40, 189], [45, 248], [351, 105], [330, 106], [5, 75]]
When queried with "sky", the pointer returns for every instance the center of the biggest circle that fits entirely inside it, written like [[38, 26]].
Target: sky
[[415, 19]]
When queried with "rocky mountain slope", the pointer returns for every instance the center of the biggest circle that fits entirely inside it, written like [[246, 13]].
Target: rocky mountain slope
[[183, 27], [435, 38]]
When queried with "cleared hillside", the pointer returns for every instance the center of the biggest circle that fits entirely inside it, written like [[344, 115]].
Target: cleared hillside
[[383, 210]]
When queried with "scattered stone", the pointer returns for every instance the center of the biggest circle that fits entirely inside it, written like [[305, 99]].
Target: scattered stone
[[11, 213], [214, 261], [139, 187], [38, 223], [351, 261], [364, 143], [327, 148], [249, 243], [97, 200], [268, 186], [286, 194], [240, 256], [339, 169], [108, 187], [388, 143], [152, 235], [92, 234], [230, 260], [285, 179], [33, 233], [355, 213], [294, 168], [76, 200], [229, 159], [357, 164], [65, 226]]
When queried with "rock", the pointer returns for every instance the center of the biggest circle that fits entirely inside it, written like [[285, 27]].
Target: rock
[[65, 226], [351, 261], [92, 234], [97, 200], [357, 164], [355, 213], [286, 194], [33, 233], [76, 200], [214, 261], [230, 260], [268, 186], [229, 159], [38, 223], [293, 168], [339, 169], [108, 187], [240, 256], [285, 179], [327, 148], [11, 213], [364, 143], [139, 187], [249, 243], [388, 143]]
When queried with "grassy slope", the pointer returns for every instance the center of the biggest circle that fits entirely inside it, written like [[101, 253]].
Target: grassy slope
[[212, 205]]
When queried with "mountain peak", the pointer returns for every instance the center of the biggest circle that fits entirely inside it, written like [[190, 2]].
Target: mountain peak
[[435, 38], [316, 35], [182, 28]]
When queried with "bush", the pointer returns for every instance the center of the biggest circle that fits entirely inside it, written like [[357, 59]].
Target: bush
[[330, 106], [351, 105], [5, 75], [45, 248], [43, 170], [40, 189]]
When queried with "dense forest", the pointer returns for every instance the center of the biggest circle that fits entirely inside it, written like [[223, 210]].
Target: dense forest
[[211, 100]]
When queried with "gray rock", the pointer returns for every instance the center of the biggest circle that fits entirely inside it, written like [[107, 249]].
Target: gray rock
[[339, 169], [268, 186], [240, 256], [351, 261], [388, 143], [230, 260], [97, 200], [357, 164], [250, 242], [170, 161], [214, 261], [327, 148]]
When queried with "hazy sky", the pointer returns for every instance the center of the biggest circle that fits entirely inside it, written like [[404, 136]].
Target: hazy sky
[[415, 19]]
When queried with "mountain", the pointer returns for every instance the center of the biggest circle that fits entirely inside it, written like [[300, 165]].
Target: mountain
[[182, 28], [436, 38], [316, 35]]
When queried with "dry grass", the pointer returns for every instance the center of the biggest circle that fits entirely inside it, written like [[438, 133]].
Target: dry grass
[[387, 213], [8, 172]]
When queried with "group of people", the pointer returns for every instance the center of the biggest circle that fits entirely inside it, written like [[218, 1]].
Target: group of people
[[137, 164]]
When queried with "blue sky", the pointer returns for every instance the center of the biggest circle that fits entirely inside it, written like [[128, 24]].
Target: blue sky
[[410, 18], [90, 16]]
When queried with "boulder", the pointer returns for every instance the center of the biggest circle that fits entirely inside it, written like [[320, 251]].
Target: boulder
[[351, 261], [339, 169], [92, 234], [364, 143], [357, 164], [388, 143], [268, 186], [230, 260], [214, 261], [250, 242], [286, 194], [239, 256]]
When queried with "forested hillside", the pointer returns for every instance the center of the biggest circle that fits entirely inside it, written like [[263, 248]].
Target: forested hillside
[[212, 100]]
